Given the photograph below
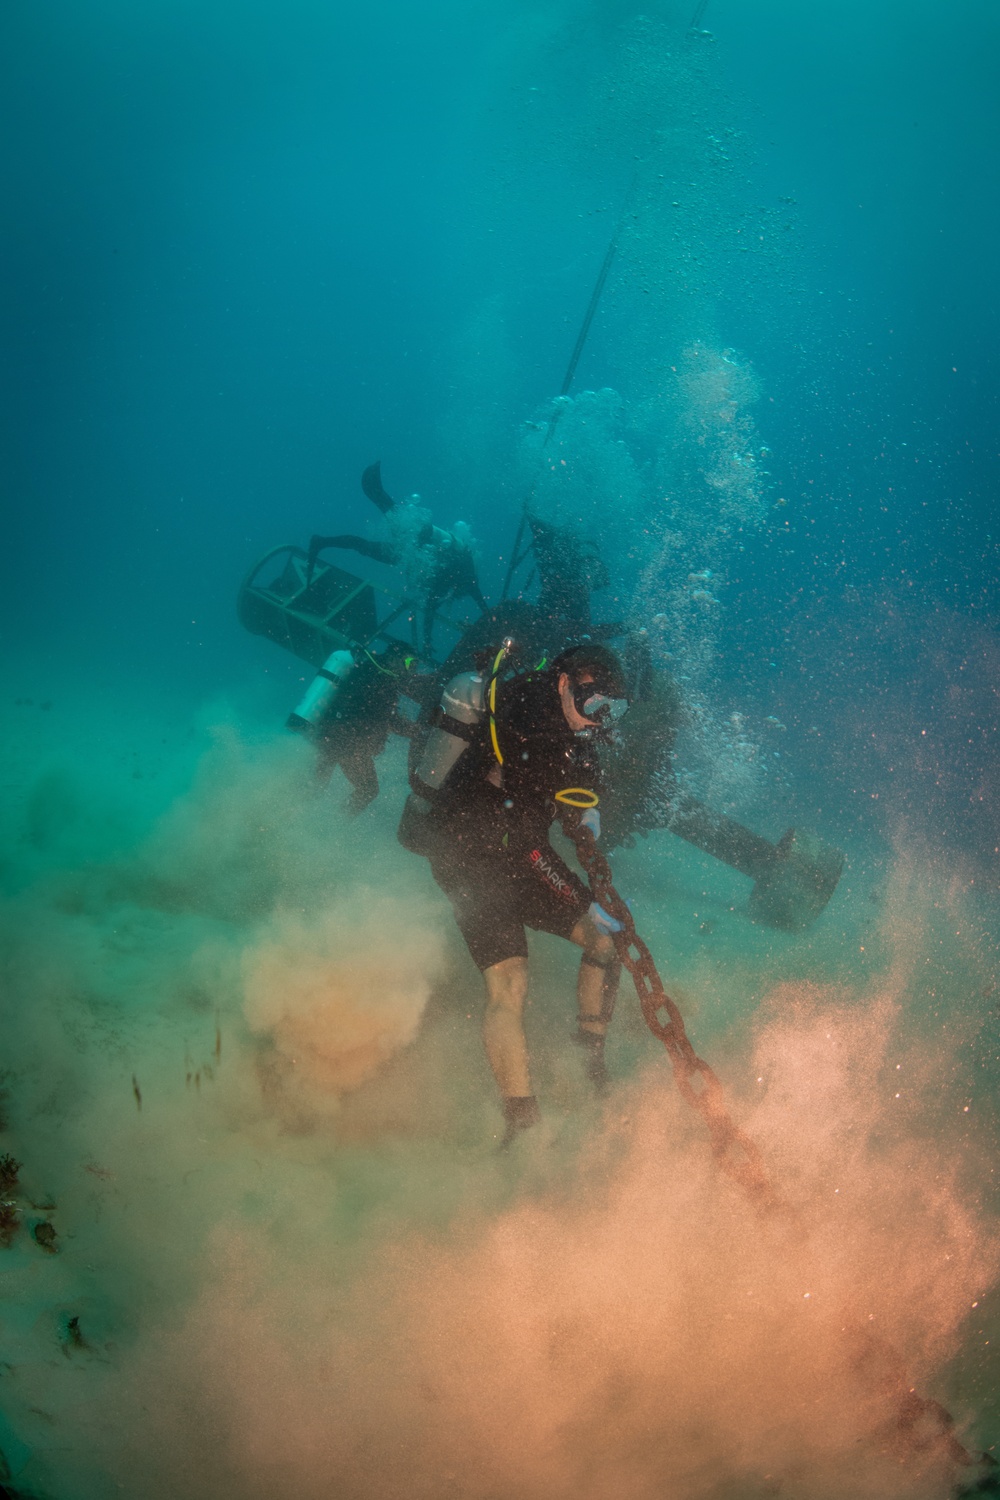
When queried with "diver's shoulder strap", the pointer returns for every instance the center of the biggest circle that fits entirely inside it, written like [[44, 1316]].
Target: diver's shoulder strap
[[463, 731]]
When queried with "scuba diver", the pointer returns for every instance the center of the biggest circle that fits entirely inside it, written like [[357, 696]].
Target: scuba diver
[[638, 762], [349, 710], [439, 563], [508, 753]]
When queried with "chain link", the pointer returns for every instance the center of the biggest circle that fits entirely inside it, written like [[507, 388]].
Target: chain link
[[924, 1424], [737, 1155]]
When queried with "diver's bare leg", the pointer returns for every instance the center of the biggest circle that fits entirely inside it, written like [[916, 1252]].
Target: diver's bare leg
[[359, 768], [598, 958], [595, 995], [503, 1028], [325, 763]]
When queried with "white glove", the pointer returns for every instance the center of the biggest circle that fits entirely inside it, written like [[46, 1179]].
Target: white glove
[[603, 920], [591, 818]]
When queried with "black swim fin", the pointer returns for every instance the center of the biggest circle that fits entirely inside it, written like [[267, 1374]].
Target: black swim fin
[[371, 483]]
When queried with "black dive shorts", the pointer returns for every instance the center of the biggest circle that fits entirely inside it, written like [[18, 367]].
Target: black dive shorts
[[493, 906]]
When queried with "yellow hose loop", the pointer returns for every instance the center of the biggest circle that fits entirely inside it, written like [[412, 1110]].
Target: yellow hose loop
[[577, 796], [493, 702]]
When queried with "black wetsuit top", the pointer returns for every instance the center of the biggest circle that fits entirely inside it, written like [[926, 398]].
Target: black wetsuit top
[[364, 710], [508, 827]]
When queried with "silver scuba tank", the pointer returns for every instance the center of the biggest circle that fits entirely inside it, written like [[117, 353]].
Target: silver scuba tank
[[463, 701], [322, 693]]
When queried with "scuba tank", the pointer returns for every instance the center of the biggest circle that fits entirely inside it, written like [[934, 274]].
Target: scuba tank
[[462, 708], [322, 693], [454, 726]]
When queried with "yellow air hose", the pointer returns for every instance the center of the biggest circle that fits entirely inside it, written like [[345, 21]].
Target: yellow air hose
[[504, 649], [571, 796]]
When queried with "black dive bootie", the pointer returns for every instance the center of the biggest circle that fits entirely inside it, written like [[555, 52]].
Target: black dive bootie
[[594, 1065], [520, 1113]]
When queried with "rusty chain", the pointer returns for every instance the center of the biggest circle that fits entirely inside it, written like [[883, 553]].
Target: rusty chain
[[923, 1423], [737, 1155]]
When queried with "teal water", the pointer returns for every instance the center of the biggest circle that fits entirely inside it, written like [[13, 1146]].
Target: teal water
[[246, 252]]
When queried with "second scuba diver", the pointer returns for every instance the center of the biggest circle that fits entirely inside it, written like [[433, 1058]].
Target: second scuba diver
[[508, 755], [349, 710], [438, 563]]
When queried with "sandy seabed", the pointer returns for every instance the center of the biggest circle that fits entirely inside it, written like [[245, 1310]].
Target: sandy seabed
[[241, 1070]]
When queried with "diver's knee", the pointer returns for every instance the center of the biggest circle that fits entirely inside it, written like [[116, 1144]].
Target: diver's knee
[[599, 949], [506, 985]]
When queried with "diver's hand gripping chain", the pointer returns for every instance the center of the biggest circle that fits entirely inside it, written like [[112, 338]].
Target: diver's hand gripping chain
[[923, 1423]]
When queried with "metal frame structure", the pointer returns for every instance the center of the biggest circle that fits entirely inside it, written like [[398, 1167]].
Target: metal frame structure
[[332, 610]]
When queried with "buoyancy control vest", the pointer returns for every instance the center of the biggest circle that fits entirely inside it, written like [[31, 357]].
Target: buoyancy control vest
[[356, 693], [466, 738]]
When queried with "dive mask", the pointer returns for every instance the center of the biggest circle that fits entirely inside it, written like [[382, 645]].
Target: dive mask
[[600, 708]]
